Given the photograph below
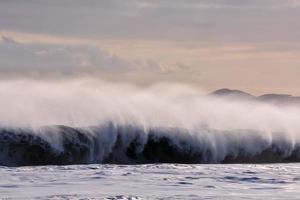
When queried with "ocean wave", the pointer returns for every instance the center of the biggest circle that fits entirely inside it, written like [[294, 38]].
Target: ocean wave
[[94, 121], [127, 144]]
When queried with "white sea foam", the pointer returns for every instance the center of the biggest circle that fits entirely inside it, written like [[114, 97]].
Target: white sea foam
[[224, 127]]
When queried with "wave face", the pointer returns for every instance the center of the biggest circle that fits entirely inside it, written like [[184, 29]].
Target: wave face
[[93, 121], [62, 145]]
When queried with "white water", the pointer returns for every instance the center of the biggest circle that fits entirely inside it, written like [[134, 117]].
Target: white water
[[167, 181], [90, 102], [221, 125], [247, 125]]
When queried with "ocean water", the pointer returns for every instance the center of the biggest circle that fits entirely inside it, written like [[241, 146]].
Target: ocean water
[[91, 139], [153, 181]]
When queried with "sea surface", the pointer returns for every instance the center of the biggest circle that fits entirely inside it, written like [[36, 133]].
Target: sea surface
[[154, 181]]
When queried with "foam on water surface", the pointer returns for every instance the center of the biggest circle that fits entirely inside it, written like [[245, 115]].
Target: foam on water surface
[[163, 181]]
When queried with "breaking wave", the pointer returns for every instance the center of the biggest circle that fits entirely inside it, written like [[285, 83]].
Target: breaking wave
[[61, 145], [117, 123]]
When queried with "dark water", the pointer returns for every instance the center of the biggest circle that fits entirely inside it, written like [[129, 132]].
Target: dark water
[[115, 144]]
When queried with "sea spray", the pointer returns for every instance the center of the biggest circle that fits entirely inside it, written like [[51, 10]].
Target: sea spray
[[93, 121]]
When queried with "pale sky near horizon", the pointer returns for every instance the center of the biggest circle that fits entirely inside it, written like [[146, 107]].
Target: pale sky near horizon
[[252, 45]]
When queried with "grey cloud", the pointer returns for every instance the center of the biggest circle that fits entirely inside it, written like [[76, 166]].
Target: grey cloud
[[217, 21], [17, 58], [52, 59], [221, 3]]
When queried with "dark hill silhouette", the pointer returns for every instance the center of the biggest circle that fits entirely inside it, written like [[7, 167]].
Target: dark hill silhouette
[[228, 93], [278, 99]]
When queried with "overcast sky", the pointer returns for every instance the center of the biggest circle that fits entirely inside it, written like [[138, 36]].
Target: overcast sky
[[253, 45]]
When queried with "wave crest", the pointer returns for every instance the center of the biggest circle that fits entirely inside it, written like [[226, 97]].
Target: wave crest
[[60, 145]]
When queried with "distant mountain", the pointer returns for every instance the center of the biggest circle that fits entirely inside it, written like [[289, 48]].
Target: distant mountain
[[235, 94], [278, 99]]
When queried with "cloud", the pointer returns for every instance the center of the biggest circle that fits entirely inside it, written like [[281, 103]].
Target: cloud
[[194, 20], [21, 59], [211, 42], [37, 58]]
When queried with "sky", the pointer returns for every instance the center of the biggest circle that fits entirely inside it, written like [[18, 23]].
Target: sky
[[252, 45]]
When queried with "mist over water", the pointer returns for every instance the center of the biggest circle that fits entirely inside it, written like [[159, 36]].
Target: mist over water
[[92, 102], [121, 123]]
